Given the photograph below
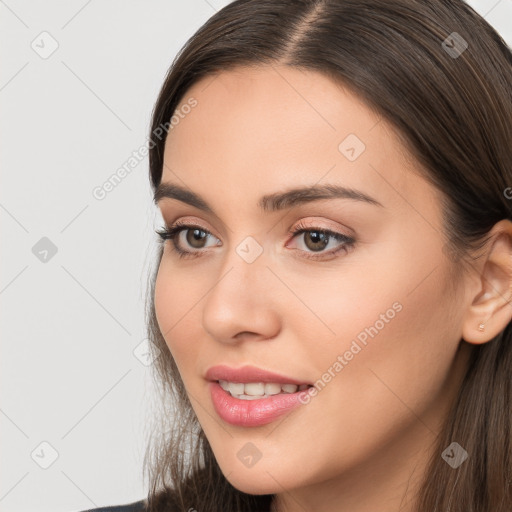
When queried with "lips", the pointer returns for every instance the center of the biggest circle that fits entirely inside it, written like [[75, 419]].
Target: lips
[[249, 373], [253, 413]]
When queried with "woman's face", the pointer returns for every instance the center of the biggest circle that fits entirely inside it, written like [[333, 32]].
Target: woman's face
[[376, 320]]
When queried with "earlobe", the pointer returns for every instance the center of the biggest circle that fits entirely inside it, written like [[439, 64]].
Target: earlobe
[[490, 310]]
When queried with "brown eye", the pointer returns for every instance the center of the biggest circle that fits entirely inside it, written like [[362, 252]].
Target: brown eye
[[312, 242], [196, 237], [316, 240]]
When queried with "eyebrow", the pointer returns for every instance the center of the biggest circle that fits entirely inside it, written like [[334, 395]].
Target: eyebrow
[[271, 202]]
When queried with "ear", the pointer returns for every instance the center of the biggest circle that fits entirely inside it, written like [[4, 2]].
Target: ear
[[492, 292]]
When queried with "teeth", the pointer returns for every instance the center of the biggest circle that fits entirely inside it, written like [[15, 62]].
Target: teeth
[[255, 390], [237, 389], [272, 389]]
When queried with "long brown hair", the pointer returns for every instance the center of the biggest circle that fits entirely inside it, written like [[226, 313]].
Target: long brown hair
[[449, 96]]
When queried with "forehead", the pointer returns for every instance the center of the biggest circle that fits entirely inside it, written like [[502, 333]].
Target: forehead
[[264, 127], [276, 101]]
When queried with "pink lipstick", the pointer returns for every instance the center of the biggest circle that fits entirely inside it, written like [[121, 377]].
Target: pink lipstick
[[251, 397]]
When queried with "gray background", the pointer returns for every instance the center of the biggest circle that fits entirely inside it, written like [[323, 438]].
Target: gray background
[[72, 366]]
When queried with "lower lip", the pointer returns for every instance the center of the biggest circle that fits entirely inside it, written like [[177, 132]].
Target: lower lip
[[252, 413]]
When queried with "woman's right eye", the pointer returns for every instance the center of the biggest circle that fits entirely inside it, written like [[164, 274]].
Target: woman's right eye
[[194, 235]]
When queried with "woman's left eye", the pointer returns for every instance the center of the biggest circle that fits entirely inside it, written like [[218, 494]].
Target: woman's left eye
[[316, 240]]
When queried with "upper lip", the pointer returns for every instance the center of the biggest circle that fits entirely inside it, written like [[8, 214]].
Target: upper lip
[[248, 374]]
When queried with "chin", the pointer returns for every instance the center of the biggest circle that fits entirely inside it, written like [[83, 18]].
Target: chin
[[254, 481]]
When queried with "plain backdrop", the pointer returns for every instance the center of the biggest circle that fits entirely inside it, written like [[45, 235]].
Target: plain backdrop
[[77, 85]]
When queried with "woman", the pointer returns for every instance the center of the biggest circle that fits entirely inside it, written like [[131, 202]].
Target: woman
[[330, 313]]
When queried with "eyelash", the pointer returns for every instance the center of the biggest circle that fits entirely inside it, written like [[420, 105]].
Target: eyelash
[[172, 232]]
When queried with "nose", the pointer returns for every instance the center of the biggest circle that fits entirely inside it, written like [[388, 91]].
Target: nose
[[242, 303]]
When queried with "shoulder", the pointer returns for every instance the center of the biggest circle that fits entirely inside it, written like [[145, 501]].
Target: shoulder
[[136, 506]]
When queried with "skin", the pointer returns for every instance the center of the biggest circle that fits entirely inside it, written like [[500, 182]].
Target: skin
[[362, 443]]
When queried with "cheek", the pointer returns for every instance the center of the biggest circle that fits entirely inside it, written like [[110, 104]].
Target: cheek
[[175, 305], [381, 332], [395, 300], [165, 300]]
